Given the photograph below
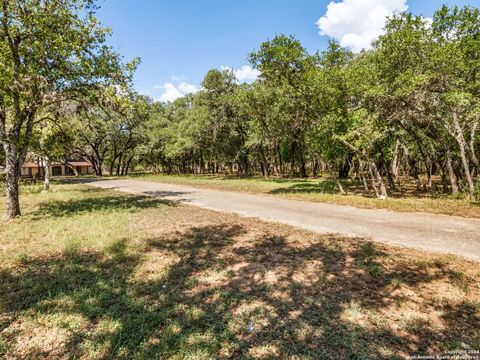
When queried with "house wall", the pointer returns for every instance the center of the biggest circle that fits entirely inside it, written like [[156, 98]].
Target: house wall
[[82, 170], [85, 170], [26, 171]]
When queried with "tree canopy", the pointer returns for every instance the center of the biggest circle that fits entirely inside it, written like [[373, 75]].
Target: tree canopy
[[50, 51], [408, 108]]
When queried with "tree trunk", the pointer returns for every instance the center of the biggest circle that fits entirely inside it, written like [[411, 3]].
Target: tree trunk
[[202, 164], [280, 160], [379, 178], [451, 172], [372, 176], [99, 167], [315, 168], [429, 168], [475, 160], [303, 167], [468, 177], [46, 171], [339, 186], [366, 190], [73, 168], [12, 181], [119, 165], [344, 167], [463, 156], [114, 159], [374, 173], [414, 173], [264, 163], [127, 167], [292, 161], [335, 178], [443, 175], [262, 169], [395, 161], [390, 178]]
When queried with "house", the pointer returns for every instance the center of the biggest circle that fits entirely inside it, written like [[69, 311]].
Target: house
[[71, 167]]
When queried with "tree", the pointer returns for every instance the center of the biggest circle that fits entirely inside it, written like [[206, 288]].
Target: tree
[[286, 65], [131, 113], [406, 110], [225, 128], [427, 73], [333, 110], [456, 60], [49, 50], [50, 142]]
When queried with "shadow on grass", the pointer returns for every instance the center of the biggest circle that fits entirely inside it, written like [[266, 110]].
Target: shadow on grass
[[80, 180], [324, 187], [224, 299], [352, 187], [225, 177], [93, 204]]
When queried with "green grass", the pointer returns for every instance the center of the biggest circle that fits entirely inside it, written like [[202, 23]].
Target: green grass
[[95, 274], [324, 190]]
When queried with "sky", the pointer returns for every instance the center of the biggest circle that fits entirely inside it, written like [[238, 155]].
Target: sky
[[178, 41]]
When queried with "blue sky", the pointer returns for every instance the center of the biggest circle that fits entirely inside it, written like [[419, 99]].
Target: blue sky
[[180, 40]]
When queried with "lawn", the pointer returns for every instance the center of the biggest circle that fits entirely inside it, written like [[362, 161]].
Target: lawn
[[324, 190], [94, 274]]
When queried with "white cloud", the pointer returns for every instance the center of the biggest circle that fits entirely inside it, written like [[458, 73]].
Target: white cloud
[[187, 88], [428, 21], [356, 23], [244, 74], [172, 91]]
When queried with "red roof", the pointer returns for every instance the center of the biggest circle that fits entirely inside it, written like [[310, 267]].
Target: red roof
[[79, 163], [29, 164]]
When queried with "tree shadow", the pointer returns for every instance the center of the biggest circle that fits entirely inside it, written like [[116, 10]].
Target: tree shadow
[[101, 203], [221, 297], [166, 194], [277, 180], [324, 187]]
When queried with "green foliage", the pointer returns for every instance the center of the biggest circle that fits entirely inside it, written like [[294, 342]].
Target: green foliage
[[50, 51], [408, 106]]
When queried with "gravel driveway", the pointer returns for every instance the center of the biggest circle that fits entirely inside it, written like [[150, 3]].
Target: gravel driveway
[[436, 233]]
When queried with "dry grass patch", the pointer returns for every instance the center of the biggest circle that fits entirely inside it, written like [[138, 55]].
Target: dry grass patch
[[181, 282]]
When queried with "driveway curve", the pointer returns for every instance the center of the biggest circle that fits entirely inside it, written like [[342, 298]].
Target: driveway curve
[[435, 233]]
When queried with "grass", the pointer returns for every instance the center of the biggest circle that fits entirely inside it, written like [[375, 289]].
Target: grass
[[324, 190], [94, 274]]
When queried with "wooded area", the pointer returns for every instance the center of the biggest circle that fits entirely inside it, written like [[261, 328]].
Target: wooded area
[[409, 108]]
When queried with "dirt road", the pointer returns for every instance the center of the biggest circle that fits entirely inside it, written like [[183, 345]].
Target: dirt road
[[436, 233]]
